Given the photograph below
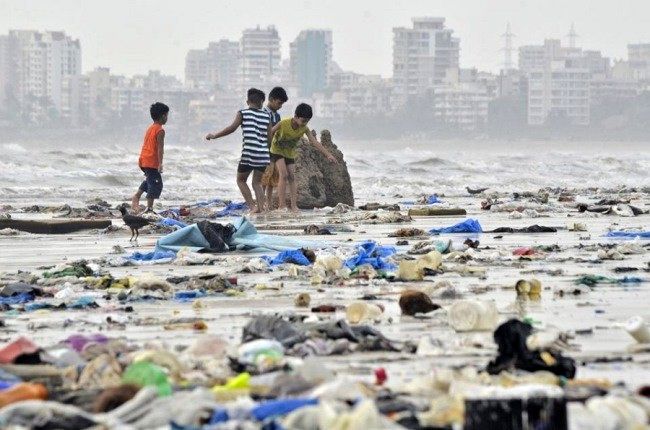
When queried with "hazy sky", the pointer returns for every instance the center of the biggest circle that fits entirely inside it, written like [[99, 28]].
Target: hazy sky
[[133, 36]]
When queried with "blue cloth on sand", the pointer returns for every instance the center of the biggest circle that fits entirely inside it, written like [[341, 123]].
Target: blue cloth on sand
[[470, 225], [232, 209], [171, 222], [152, 256], [293, 256]]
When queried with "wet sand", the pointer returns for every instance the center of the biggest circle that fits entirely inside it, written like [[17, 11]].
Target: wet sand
[[600, 311]]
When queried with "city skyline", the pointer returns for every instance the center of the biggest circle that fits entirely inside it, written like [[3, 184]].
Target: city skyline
[[478, 26]]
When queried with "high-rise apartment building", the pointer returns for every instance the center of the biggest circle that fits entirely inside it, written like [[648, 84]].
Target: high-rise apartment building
[[216, 66], [558, 82], [423, 56], [310, 61], [260, 55]]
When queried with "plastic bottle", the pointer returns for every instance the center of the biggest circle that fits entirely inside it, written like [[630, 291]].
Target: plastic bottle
[[263, 353], [638, 329], [473, 315], [23, 391]]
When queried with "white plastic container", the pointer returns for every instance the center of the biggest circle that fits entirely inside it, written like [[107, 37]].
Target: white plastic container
[[473, 315], [358, 312]]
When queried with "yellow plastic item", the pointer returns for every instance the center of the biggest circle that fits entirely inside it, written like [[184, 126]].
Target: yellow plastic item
[[239, 382]]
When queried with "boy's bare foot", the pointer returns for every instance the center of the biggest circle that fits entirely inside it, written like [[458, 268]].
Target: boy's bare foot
[[295, 209]]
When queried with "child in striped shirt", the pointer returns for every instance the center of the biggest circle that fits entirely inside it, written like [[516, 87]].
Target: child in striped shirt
[[254, 123]]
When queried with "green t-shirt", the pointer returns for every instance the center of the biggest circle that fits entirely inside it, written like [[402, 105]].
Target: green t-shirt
[[285, 140]]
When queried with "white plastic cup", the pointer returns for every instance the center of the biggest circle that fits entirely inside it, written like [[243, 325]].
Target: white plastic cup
[[638, 329]]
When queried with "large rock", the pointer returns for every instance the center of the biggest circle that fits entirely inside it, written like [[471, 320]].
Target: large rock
[[320, 182]]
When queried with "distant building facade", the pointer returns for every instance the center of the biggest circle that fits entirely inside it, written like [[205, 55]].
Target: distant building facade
[[260, 55], [423, 56], [310, 61]]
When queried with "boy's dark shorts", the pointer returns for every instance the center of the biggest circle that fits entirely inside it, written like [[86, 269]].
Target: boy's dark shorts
[[153, 183], [245, 168], [287, 161]]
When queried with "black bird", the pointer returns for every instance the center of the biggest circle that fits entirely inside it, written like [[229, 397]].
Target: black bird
[[134, 222]]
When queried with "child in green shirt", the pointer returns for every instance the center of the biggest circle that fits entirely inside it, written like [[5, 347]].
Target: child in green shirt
[[284, 138]]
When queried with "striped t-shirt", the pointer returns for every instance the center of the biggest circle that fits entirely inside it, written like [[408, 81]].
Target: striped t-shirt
[[275, 117], [255, 149]]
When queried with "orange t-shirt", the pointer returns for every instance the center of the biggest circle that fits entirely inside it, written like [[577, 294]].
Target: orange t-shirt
[[149, 152]]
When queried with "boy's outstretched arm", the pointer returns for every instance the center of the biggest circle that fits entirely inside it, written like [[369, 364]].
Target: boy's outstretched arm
[[228, 130], [160, 138], [320, 147], [271, 132]]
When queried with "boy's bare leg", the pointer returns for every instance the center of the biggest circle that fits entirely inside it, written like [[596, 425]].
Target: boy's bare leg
[[293, 187], [282, 184], [269, 197], [150, 203], [245, 191], [259, 192], [135, 201]]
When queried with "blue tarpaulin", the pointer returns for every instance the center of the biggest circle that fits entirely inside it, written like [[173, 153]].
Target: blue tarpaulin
[[189, 237], [470, 225], [232, 209], [294, 256], [245, 237], [373, 254], [628, 234]]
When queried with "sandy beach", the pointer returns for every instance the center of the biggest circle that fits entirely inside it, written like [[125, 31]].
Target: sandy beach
[[599, 344]]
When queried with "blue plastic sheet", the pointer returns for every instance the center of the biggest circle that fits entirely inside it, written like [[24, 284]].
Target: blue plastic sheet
[[152, 256], [219, 416], [189, 295], [17, 299], [629, 234], [293, 256], [189, 237], [470, 225], [171, 222], [373, 254], [246, 237], [277, 408], [432, 199], [232, 209]]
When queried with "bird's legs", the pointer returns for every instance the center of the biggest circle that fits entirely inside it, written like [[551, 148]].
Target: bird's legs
[[132, 234]]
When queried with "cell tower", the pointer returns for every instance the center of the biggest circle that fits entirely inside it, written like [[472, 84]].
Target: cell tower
[[507, 49], [572, 36]]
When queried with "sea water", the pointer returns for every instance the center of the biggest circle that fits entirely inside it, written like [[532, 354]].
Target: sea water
[[54, 173]]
